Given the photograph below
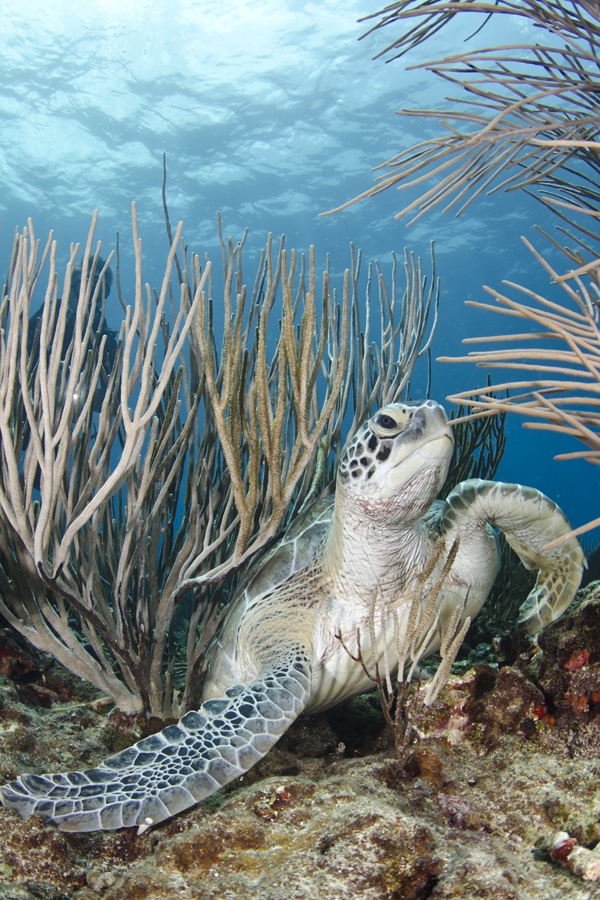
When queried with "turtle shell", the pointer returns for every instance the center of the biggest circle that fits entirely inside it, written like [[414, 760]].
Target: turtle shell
[[292, 553]]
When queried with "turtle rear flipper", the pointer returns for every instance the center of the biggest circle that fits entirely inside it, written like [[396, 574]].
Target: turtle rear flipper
[[530, 521], [173, 770]]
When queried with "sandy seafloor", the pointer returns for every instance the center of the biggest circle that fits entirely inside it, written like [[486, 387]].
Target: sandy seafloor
[[509, 757]]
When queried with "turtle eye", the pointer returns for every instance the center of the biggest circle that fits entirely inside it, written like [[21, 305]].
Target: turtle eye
[[385, 421]]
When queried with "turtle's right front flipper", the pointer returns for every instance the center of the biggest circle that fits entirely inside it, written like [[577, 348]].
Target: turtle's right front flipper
[[170, 771], [530, 521]]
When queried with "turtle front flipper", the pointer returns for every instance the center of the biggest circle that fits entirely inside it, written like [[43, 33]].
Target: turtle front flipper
[[530, 521], [170, 771]]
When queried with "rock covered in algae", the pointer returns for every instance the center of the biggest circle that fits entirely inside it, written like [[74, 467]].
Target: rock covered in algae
[[470, 812], [579, 860]]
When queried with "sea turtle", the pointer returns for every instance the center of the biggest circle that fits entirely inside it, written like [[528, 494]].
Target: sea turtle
[[350, 563]]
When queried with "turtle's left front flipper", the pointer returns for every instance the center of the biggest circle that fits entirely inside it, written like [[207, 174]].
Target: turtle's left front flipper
[[173, 770], [530, 521]]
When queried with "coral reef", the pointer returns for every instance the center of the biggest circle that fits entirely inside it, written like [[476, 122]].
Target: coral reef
[[492, 802]]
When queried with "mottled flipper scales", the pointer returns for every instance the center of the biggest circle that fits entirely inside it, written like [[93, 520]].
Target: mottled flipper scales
[[170, 771], [530, 521]]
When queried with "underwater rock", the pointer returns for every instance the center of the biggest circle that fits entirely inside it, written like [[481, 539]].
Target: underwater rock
[[504, 705], [451, 823], [579, 860], [331, 813], [564, 662]]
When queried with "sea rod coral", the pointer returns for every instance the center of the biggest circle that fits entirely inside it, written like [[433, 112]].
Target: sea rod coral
[[526, 118], [114, 515]]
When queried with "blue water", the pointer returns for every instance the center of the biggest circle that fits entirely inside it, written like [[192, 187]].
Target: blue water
[[272, 112]]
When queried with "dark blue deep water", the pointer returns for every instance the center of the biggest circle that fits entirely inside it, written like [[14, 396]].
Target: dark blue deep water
[[271, 111]]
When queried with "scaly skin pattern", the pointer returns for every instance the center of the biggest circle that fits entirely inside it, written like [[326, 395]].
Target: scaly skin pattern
[[168, 772], [529, 520], [350, 564]]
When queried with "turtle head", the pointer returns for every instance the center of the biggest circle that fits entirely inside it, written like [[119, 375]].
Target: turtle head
[[397, 462]]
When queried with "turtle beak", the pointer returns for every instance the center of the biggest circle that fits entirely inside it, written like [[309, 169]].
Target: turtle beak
[[426, 445], [430, 430]]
